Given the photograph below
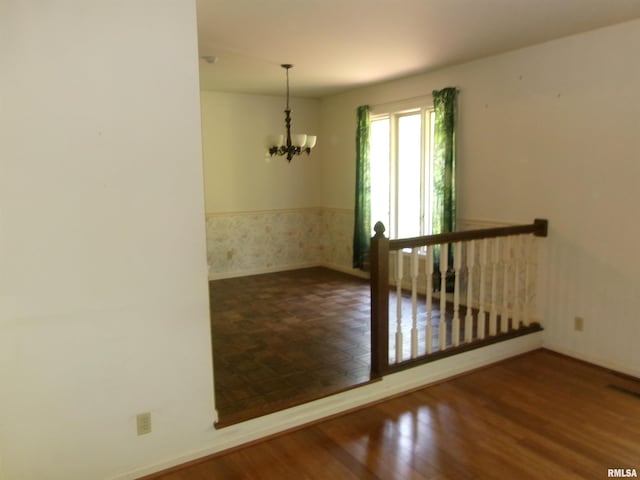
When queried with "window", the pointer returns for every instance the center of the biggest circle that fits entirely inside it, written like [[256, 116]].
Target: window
[[401, 165]]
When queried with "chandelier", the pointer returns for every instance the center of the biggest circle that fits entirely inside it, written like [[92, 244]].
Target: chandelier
[[288, 144]]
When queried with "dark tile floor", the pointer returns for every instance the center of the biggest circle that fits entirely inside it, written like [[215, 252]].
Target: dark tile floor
[[285, 338], [282, 339]]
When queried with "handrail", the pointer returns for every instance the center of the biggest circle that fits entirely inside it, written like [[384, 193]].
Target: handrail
[[539, 228], [379, 263]]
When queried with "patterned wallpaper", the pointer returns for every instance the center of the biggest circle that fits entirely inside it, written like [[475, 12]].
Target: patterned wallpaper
[[249, 243]]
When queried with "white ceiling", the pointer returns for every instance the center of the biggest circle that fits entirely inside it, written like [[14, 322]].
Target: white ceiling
[[337, 45]]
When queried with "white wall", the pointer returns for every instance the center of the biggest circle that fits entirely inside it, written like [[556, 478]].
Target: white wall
[[238, 176], [549, 131], [103, 280]]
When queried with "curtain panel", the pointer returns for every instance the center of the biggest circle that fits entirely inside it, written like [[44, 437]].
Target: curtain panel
[[444, 159], [362, 225], [444, 174]]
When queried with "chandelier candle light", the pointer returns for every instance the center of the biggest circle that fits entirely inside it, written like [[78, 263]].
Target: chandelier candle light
[[294, 144]]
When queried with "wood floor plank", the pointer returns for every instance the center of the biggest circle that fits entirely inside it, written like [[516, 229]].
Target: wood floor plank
[[537, 416], [315, 457], [382, 458]]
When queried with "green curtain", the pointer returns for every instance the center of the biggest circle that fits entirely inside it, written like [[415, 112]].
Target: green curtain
[[444, 159], [444, 170], [362, 226]]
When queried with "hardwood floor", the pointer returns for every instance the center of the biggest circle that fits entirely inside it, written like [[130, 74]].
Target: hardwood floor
[[537, 416]]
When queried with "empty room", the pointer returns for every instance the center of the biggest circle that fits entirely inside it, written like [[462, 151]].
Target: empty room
[[159, 166]]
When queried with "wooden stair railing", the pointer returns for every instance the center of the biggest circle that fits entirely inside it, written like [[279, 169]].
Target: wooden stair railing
[[494, 271]]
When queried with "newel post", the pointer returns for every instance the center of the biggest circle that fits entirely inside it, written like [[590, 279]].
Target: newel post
[[379, 261], [542, 226]]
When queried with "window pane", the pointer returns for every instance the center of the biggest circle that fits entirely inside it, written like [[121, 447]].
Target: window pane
[[409, 175], [429, 194], [379, 158]]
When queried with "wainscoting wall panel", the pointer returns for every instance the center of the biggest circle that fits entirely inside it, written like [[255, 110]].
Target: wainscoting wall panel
[[248, 243], [337, 238]]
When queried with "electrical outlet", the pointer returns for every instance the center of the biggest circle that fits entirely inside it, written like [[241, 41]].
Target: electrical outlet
[[578, 324], [143, 421]]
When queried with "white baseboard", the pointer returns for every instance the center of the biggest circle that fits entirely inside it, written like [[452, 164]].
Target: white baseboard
[[259, 271], [594, 359], [389, 386]]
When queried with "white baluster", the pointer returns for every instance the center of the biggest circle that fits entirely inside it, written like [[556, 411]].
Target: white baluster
[[442, 332], [516, 300], [468, 319], [481, 307], [494, 274], [414, 302], [535, 244], [399, 275], [504, 314], [457, 263], [429, 272], [526, 304]]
